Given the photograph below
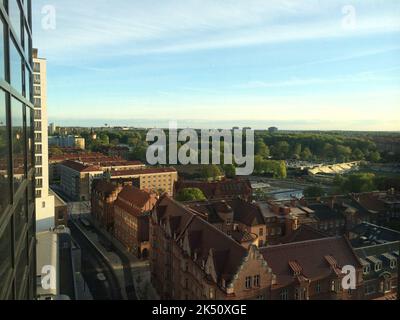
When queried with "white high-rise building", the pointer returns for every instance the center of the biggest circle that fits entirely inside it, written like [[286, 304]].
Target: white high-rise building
[[45, 218]]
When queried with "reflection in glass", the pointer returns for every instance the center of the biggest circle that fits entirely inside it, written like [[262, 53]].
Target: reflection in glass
[[2, 61], [14, 13], [5, 254], [18, 141], [15, 67], [4, 176], [29, 136]]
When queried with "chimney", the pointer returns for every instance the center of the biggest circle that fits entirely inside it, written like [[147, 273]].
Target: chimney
[[275, 208], [332, 202], [303, 202], [293, 203]]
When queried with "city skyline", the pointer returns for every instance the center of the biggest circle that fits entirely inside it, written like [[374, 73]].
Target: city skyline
[[295, 64]]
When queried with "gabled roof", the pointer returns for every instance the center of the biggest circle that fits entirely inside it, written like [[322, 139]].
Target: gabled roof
[[311, 256], [202, 237], [134, 200], [303, 233], [243, 211]]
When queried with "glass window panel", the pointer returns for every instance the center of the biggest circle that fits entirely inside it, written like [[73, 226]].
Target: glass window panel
[[21, 266], [27, 84], [4, 157], [16, 67], [30, 136], [26, 43], [2, 56], [18, 141], [14, 13], [21, 218], [5, 254]]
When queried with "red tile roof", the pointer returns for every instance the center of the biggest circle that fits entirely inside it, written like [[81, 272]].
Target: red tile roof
[[81, 167], [314, 257], [134, 200], [144, 171]]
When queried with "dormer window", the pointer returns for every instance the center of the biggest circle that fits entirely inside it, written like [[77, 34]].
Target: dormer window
[[378, 266], [393, 264], [367, 269]]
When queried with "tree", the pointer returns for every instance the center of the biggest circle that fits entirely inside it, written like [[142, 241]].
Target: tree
[[191, 194], [356, 183], [358, 155], [211, 172], [314, 192], [230, 170], [262, 149], [306, 154], [296, 152], [374, 156], [281, 149]]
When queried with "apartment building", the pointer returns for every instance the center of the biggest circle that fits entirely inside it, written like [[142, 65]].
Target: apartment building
[[131, 219], [159, 180], [77, 179], [192, 259], [44, 200], [17, 172]]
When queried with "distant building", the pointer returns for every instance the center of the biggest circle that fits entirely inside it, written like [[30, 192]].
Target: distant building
[[131, 219], [159, 180], [77, 178], [44, 200], [67, 141], [52, 129]]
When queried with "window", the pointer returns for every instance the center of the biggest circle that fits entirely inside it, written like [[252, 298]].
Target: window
[[248, 282], [261, 232], [211, 293], [318, 287], [14, 12], [367, 269], [256, 281], [4, 145], [393, 264], [15, 67], [17, 121], [284, 294], [2, 60], [27, 84], [378, 266], [5, 253], [29, 135]]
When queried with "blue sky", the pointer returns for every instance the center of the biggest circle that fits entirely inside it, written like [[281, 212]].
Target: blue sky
[[295, 64]]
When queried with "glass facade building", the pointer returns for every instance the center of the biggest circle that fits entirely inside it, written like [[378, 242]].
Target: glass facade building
[[17, 189]]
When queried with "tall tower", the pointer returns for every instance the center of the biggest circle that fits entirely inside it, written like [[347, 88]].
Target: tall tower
[[45, 219], [17, 172]]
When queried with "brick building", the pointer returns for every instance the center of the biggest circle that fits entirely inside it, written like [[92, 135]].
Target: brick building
[[131, 219], [104, 194], [193, 259], [159, 180]]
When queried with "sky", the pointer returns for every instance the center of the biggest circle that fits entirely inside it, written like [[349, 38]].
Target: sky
[[295, 64]]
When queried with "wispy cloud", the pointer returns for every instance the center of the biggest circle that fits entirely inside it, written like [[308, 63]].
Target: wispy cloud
[[172, 26]]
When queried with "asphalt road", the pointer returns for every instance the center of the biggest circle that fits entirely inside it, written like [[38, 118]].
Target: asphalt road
[[93, 264]]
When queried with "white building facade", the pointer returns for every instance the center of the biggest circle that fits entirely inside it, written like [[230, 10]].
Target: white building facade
[[45, 219]]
